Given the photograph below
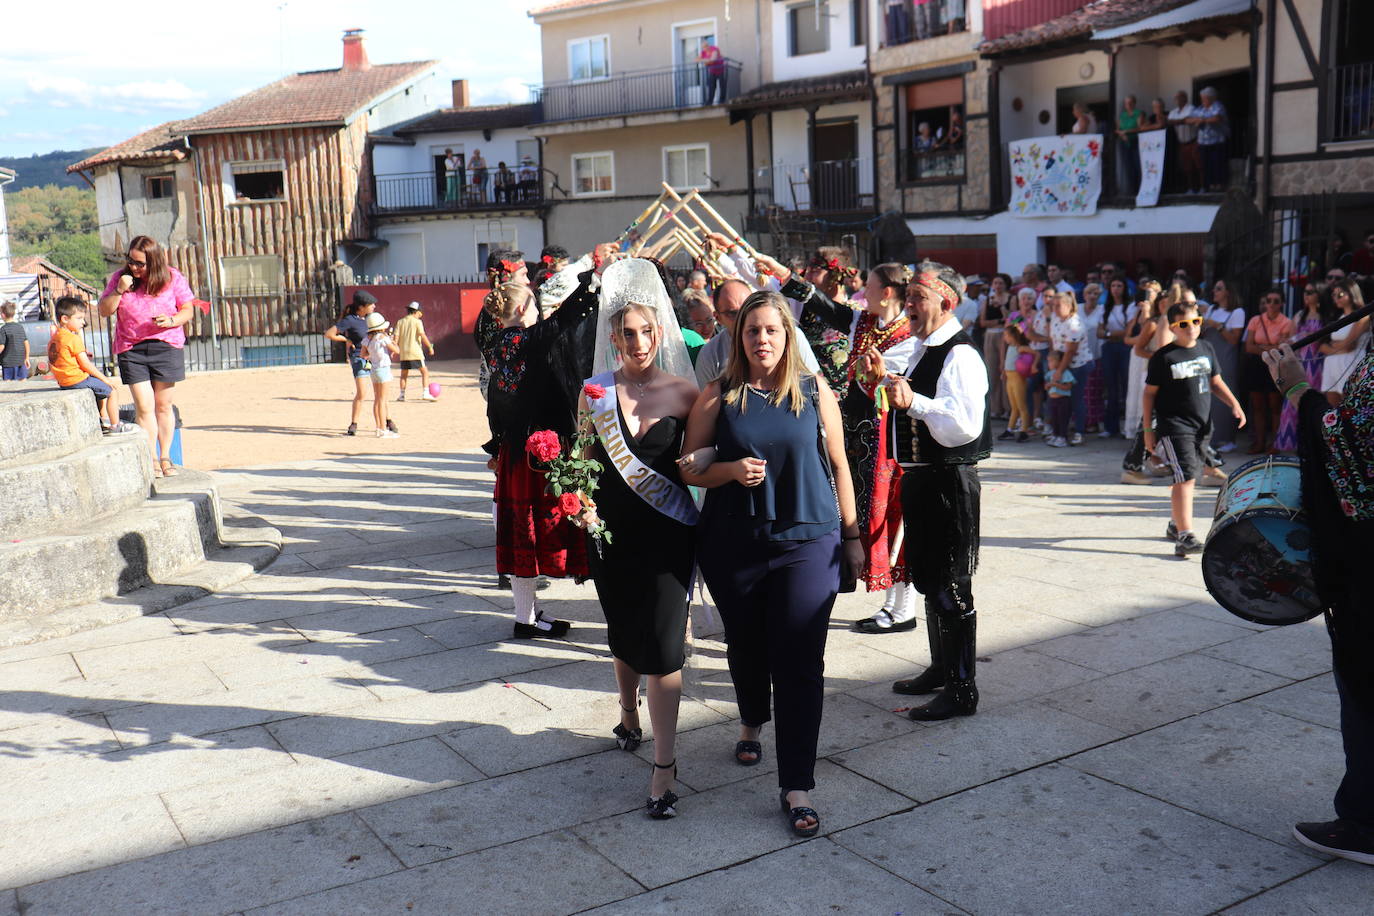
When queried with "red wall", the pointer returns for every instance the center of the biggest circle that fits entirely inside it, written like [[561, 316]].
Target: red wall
[[965, 260], [1002, 17], [450, 312], [1167, 252]]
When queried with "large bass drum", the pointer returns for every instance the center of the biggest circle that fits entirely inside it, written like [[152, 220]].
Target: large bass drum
[[1257, 562]]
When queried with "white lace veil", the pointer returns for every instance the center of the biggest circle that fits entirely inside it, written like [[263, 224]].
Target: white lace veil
[[636, 280]]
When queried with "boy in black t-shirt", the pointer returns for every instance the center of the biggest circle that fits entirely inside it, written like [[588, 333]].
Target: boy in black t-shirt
[[1179, 384]]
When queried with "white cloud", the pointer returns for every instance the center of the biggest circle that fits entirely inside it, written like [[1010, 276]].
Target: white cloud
[[68, 92]]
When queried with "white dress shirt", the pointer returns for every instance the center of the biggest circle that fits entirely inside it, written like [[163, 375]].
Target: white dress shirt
[[955, 415]]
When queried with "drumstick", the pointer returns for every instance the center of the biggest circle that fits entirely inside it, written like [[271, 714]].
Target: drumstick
[[1333, 327]]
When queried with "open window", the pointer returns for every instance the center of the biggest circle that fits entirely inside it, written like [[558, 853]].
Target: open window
[[1350, 94], [257, 181], [158, 187], [933, 136]]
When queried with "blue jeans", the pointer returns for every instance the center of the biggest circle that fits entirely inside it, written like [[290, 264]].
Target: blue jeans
[[94, 385], [15, 373], [1116, 360]]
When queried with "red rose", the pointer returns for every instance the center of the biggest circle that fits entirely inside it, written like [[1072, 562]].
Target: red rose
[[593, 391], [544, 445], [569, 504]]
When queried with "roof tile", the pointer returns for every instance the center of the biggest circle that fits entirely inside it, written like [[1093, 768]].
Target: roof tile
[[161, 142], [474, 117], [1100, 14]]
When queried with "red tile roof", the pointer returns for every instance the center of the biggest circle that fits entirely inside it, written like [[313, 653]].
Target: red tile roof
[[1101, 14], [474, 117], [561, 5], [316, 97], [161, 142]]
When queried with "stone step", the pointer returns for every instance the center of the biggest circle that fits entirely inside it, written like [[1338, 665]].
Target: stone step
[[149, 543], [107, 477], [39, 422]]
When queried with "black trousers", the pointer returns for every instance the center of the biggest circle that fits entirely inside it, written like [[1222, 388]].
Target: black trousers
[[775, 599], [941, 506], [1351, 626]]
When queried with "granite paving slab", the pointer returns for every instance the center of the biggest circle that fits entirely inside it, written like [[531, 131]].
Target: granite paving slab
[[1338, 889]]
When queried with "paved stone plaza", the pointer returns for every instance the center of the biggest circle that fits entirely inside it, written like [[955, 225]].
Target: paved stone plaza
[[352, 731]]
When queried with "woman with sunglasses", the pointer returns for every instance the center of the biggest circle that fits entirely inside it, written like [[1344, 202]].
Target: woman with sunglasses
[[1347, 346], [153, 303], [1314, 315], [1223, 325], [1265, 332]]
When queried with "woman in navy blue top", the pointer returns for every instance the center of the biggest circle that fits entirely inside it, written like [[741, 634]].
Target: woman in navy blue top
[[773, 535], [351, 330]]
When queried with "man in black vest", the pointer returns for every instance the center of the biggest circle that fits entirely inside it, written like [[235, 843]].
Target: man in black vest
[[940, 431]]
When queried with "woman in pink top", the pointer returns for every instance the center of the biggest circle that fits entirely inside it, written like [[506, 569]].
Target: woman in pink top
[[153, 302]]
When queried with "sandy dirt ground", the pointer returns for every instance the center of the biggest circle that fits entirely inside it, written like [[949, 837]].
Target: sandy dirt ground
[[246, 417]]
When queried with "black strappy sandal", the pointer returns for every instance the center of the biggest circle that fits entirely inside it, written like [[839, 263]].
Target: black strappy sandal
[[873, 625], [661, 808], [798, 813], [748, 747], [627, 739]]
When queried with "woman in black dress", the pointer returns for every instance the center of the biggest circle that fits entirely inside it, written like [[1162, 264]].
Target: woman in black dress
[[643, 574]]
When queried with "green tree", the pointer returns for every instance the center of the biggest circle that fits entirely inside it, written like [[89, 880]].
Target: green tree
[[80, 256], [38, 215]]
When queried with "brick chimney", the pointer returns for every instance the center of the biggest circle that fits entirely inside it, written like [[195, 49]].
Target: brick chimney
[[460, 94], [354, 53]]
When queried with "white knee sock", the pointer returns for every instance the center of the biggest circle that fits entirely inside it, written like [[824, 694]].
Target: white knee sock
[[905, 607], [890, 596], [522, 588]]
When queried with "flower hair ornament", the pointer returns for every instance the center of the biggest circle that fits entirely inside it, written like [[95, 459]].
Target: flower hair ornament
[[547, 259], [507, 270], [931, 281]]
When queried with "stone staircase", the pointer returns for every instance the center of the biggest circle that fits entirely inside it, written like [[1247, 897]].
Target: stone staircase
[[88, 536]]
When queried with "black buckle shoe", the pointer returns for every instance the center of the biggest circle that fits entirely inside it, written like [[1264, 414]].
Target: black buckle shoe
[[883, 622], [1337, 838]]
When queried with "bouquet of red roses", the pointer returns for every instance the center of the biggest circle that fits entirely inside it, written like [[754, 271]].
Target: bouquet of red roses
[[571, 477]]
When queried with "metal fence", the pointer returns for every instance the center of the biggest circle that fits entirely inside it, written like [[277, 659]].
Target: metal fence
[[828, 186], [664, 89], [1352, 91], [421, 191], [256, 327]]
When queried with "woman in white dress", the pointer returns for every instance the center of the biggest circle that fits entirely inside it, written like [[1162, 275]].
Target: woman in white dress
[[1347, 347]]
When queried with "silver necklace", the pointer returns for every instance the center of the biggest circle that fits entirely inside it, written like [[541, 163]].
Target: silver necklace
[[640, 386]]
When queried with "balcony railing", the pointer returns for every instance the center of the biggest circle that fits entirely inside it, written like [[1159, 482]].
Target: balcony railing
[[1352, 94], [932, 164], [419, 191], [907, 21], [640, 91], [830, 186]]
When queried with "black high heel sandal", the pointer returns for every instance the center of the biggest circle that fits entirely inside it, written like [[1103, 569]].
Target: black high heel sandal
[[798, 813], [661, 808], [627, 739]]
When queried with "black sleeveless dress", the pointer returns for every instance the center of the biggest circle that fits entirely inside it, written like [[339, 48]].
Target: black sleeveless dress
[[642, 577]]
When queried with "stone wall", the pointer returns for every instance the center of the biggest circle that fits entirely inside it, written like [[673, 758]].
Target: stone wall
[[1347, 176]]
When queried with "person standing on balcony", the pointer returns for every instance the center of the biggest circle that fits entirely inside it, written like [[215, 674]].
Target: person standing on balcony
[[1213, 132], [479, 175], [1189, 158], [529, 179], [898, 16], [1128, 148], [714, 64], [1083, 120], [453, 166], [926, 18]]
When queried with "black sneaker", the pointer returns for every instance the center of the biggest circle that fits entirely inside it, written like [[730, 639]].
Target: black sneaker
[[1186, 544], [1337, 838], [1006, 435], [352, 430], [391, 425], [1023, 436], [1171, 531]]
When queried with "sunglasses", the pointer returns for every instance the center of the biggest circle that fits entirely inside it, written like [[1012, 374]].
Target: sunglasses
[[132, 263], [1184, 322]]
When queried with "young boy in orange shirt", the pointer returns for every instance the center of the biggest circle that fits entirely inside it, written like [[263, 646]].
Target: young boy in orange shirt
[[72, 368]]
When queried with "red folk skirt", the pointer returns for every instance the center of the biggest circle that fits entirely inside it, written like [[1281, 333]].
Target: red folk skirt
[[878, 494], [532, 536]]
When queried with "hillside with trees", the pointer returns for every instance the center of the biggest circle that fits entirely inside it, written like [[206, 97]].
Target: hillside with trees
[[59, 223], [47, 168]]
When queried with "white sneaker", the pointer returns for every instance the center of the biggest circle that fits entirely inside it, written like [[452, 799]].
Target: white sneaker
[[1103, 434], [1056, 442], [1039, 425], [387, 434], [428, 397], [1076, 439], [401, 396]]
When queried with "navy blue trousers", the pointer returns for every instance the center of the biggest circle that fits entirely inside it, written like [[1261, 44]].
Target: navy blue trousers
[[775, 599]]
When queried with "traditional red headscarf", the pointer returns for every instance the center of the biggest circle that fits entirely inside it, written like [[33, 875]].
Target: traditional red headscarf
[[931, 281]]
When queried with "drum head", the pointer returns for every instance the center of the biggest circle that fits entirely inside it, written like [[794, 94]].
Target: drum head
[[1259, 567]]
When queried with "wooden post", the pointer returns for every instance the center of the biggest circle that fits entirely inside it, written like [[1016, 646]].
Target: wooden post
[[663, 220], [639, 219]]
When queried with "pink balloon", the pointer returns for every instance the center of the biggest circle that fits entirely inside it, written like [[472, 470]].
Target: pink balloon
[[434, 389]]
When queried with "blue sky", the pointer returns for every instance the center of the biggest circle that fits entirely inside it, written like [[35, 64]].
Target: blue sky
[[103, 72]]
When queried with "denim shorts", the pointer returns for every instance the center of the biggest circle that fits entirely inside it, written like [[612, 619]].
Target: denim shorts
[[381, 374], [92, 384], [359, 367]]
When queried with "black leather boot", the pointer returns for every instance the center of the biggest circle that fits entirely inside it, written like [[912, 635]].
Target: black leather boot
[[960, 695], [933, 678]]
